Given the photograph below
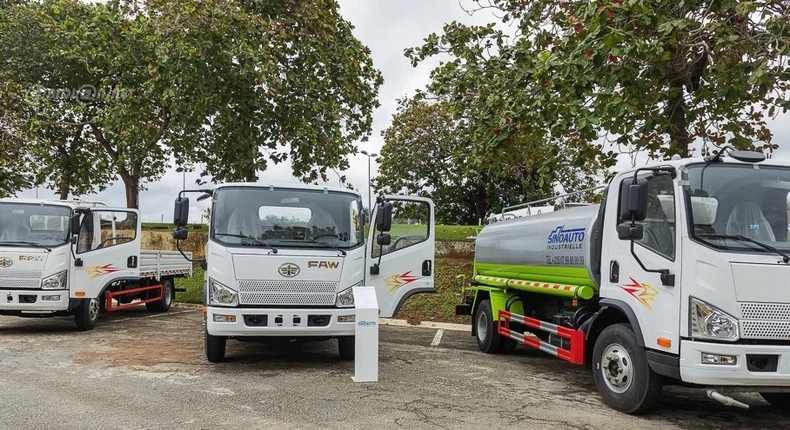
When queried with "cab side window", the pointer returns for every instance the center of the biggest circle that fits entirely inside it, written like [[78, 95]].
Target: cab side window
[[114, 228], [410, 226], [659, 224]]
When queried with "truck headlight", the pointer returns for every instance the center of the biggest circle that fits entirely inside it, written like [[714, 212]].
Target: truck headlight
[[345, 298], [221, 295], [710, 322], [55, 282]]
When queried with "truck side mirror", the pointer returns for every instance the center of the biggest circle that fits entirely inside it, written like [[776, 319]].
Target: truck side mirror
[[628, 231], [384, 217], [180, 233], [74, 225], [633, 200], [383, 239], [181, 212]]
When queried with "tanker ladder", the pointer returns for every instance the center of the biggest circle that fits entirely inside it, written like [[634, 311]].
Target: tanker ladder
[[575, 351]]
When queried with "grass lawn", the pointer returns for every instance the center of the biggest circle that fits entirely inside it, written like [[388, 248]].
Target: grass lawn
[[421, 307], [443, 232]]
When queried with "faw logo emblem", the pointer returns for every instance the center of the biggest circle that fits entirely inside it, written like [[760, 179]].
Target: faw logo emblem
[[6, 262], [323, 264], [289, 270]]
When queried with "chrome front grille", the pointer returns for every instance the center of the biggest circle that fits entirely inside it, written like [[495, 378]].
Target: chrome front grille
[[287, 293], [765, 321], [20, 279]]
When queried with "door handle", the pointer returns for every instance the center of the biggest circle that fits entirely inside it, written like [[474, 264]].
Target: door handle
[[131, 262], [614, 271], [426, 268]]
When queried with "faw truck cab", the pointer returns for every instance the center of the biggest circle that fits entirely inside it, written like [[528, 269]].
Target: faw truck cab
[[281, 261], [681, 275], [80, 258]]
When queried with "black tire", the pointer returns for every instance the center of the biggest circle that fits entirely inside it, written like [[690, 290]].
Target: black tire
[[777, 400], [87, 314], [167, 298], [621, 372], [487, 337], [215, 348], [346, 347]]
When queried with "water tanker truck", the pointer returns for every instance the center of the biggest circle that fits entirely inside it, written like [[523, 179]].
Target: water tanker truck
[[680, 275]]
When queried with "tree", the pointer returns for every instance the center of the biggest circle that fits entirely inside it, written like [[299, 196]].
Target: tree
[[219, 82], [429, 151], [270, 80], [665, 76], [77, 65]]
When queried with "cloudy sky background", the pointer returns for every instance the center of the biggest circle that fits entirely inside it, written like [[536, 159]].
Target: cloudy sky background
[[388, 28]]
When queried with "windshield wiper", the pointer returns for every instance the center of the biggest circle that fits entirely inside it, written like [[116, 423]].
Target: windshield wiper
[[252, 238], [785, 256], [324, 244], [24, 242]]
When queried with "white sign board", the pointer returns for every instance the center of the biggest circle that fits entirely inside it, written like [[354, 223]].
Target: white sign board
[[366, 336]]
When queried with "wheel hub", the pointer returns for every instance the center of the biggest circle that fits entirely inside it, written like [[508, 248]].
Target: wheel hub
[[93, 309], [482, 326], [617, 368]]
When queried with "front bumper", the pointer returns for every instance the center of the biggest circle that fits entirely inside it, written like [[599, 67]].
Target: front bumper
[[33, 300], [692, 369], [279, 322]]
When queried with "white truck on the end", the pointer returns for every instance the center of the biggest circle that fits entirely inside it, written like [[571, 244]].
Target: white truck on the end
[[61, 258], [282, 261]]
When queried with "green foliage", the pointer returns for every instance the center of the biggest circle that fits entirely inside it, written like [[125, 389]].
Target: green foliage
[[663, 76], [266, 81], [105, 90], [193, 286], [439, 149]]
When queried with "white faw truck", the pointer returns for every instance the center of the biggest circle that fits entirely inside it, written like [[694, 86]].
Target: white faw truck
[[281, 261], [60, 258], [680, 275]]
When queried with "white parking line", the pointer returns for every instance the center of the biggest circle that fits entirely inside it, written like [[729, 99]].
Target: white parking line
[[437, 338], [147, 316]]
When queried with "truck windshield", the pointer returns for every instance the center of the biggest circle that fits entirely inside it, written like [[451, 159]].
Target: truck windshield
[[260, 217], [740, 207], [28, 224]]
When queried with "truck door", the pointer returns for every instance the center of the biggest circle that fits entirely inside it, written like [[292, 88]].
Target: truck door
[[405, 266], [655, 305], [107, 249]]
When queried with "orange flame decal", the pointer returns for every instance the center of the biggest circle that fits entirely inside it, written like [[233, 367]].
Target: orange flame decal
[[95, 271], [645, 293], [397, 281]]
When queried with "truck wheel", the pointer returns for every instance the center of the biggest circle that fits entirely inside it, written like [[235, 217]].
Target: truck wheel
[[86, 314], [215, 348], [621, 372], [167, 298], [488, 339], [777, 400], [345, 345]]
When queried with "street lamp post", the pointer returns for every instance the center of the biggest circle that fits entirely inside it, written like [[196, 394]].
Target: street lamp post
[[370, 185]]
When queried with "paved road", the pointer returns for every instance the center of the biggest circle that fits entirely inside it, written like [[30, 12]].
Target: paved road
[[147, 371]]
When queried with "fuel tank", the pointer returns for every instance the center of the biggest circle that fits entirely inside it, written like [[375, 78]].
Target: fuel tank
[[552, 247]]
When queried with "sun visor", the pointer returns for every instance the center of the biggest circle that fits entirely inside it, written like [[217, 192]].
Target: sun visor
[[704, 210]]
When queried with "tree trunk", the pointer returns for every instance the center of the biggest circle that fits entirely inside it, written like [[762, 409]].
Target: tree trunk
[[249, 173], [64, 189], [132, 194], [131, 184], [679, 139], [481, 203]]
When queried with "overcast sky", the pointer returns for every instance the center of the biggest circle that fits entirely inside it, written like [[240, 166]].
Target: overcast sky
[[387, 28]]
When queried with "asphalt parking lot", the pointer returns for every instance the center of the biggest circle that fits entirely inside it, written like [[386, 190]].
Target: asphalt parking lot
[[147, 371]]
